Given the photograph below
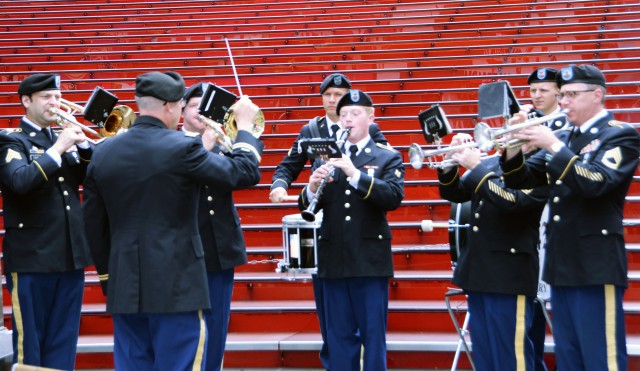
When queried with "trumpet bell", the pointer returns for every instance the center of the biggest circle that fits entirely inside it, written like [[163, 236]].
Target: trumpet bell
[[416, 156], [120, 118], [484, 136], [232, 130]]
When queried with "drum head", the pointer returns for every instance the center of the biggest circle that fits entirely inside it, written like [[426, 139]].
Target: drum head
[[459, 214]]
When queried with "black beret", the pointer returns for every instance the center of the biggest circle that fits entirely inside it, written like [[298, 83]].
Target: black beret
[[194, 91], [354, 98], [39, 82], [585, 74], [543, 75], [336, 80], [167, 86]]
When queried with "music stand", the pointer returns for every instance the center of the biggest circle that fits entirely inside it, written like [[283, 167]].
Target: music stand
[[99, 106], [497, 99], [434, 124], [320, 148], [215, 102]]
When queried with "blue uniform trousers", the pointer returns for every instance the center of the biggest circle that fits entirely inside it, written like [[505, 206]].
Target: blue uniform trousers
[[588, 327], [356, 316], [159, 341], [537, 333], [46, 317], [217, 318], [498, 328], [318, 295]]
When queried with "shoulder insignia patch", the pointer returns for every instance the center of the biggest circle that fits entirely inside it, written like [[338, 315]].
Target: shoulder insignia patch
[[618, 124], [612, 158], [190, 134], [386, 146], [12, 155]]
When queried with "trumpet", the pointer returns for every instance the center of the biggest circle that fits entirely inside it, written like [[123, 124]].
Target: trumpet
[[309, 214], [223, 139], [417, 156], [488, 138], [65, 116], [120, 117]]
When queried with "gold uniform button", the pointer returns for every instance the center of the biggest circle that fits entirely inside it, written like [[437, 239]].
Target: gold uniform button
[[68, 207], [209, 198], [480, 203], [558, 182], [605, 232], [61, 179], [556, 218], [348, 179], [477, 215], [347, 192], [475, 228], [347, 218], [65, 193], [556, 200], [379, 236], [20, 225], [347, 205], [211, 212], [513, 251]]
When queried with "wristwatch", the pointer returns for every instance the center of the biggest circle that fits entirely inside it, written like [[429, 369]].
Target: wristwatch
[[556, 147]]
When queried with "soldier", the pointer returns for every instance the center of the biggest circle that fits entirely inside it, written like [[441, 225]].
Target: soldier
[[45, 249], [332, 88], [222, 238], [354, 243], [141, 197], [503, 238], [589, 170]]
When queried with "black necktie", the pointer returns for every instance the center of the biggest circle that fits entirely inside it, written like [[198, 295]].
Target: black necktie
[[335, 128], [353, 149], [47, 133]]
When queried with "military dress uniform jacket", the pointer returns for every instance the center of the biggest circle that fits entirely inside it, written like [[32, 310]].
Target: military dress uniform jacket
[[355, 238], [500, 254], [589, 179], [42, 211], [220, 228], [292, 164], [141, 198]]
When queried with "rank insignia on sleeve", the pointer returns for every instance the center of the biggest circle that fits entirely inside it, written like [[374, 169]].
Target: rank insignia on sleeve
[[398, 173], [612, 158], [12, 155]]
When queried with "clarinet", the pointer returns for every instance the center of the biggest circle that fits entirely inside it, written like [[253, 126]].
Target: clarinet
[[309, 214]]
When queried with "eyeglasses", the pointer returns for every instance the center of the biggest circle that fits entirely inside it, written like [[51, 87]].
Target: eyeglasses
[[571, 94]]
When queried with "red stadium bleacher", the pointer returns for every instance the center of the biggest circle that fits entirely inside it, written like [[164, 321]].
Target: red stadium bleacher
[[408, 55]]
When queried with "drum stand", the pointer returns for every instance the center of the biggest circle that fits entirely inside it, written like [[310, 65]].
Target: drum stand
[[462, 331]]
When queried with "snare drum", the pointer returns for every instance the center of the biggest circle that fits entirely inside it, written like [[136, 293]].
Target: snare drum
[[300, 242], [459, 215]]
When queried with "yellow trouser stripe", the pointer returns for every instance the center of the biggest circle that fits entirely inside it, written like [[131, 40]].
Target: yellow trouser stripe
[[197, 364], [610, 326], [520, 329], [17, 316]]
